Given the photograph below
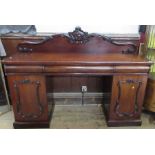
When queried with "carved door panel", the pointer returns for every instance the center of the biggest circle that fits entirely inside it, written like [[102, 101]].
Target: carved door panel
[[127, 97], [28, 96]]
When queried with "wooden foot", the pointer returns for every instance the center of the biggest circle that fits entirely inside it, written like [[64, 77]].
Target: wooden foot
[[117, 123], [30, 125]]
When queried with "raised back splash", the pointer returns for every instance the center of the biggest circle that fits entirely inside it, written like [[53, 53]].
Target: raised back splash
[[79, 41]]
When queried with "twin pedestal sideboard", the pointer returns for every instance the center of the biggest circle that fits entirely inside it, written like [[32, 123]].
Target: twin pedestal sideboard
[[76, 53]]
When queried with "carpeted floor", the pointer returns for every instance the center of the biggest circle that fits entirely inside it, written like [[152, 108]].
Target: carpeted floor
[[77, 117]]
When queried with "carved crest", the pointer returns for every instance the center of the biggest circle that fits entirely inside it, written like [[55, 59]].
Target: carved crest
[[78, 36]]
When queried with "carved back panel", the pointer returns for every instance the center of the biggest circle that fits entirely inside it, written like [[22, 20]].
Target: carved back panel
[[78, 41]]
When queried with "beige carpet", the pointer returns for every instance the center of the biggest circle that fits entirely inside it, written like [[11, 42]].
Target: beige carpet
[[76, 117]]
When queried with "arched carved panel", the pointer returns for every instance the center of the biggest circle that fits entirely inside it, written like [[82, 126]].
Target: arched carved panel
[[78, 41], [130, 85]]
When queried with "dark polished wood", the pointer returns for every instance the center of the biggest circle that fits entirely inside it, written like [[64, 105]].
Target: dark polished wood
[[69, 83], [83, 43], [76, 54], [127, 99], [31, 90]]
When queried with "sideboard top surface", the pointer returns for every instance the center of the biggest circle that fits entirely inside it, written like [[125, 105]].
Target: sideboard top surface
[[73, 59]]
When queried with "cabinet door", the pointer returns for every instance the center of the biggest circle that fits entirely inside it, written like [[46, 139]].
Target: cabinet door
[[127, 97], [28, 96]]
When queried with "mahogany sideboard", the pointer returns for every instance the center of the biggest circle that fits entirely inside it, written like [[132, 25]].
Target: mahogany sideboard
[[76, 53]]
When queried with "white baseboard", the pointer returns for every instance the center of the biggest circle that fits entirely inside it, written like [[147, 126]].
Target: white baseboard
[[78, 95]]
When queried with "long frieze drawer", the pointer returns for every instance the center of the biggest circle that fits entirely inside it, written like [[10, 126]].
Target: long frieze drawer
[[79, 69], [24, 69], [76, 69], [59, 69], [132, 69]]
